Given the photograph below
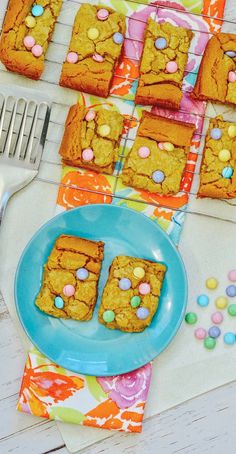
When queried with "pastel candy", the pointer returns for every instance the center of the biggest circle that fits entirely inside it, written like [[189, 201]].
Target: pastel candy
[[229, 338], [214, 332], [118, 38], [171, 67], [232, 310], [217, 318], [144, 288], [90, 115], [160, 145], [209, 343], [37, 10], [224, 155], [108, 316], [87, 154], [158, 176], [168, 146], [30, 22], [37, 50], [29, 42], [203, 300], [72, 57], [200, 333], [144, 152], [232, 77], [139, 272], [191, 318], [212, 283], [227, 172], [232, 275], [104, 130], [82, 274], [102, 14], [142, 313], [221, 302], [135, 301], [161, 43], [93, 33], [216, 133], [58, 302], [231, 53], [232, 131], [99, 58], [124, 283], [69, 290]]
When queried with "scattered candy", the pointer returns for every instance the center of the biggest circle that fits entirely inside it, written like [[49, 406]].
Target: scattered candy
[[216, 133], [98, 58], [160, 145], [93, 33], [102, 14], [209, 343], [171, 67], [58, 302], [214, 332], [144, 152], [227, 172], [191, 318], [232, 275], [104, 130], [135, 301], [231, 53], [203, 300], [212, 283], [224, 155], [37, 50], [142, 313], [231, 291], [69, 290], [118, 38], [139, 272], [144, 288], [161, 43], [30, 22], [232, 131], [108, 316], [200, 333], [124, 283], [229, 338], [217, 318], [221, 302], [232, 77], [168, 146], [37, 10], [88, 154], [82, 274], [158, 176], [232, 310], [90, 115], [29, 42], [72, 57]]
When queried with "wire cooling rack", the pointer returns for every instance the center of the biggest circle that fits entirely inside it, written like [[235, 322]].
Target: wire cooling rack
[[55, 57]]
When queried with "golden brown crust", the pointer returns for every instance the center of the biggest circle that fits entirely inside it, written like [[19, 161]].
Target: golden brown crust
[[13, 53], [87, 74]]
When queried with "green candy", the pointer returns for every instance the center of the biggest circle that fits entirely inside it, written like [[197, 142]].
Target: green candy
[[108, 316], [135, 301], [232, 310], [191, 318], [209, 343]]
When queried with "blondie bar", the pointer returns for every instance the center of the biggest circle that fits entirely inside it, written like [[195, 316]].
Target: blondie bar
[[91, 138], [70, 280], [159, 154], [131, 295], [217, 75], [26, 33], [95, 47], [164, 59], [218, 169]]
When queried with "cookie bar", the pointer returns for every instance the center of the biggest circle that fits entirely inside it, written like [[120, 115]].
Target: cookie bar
[[217, 75], [159, 154], [218, 169], [26, 33], [164, 59], [92, 138], [95, 47], [70, 280], [131, 295]]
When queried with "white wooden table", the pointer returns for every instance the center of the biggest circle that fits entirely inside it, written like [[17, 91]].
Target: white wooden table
[[203, 425]]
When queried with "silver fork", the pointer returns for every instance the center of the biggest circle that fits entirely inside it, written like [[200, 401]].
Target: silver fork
[[23, 129]]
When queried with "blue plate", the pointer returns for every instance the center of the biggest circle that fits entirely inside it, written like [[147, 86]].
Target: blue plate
[[89, 347]]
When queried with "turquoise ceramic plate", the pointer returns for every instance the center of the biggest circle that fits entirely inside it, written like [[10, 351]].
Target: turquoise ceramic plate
[[89, 347]]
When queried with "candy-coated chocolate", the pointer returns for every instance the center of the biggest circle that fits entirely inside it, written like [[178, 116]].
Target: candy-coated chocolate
[[90, 115], [69, 290], [93, 33], [144, 288], [209, 343], [217, 318], [144, 152], [158, 176], [230, 53], [108, 316], [124, 283], [232, 275], [212, 283], [172, 67], [142, 313], [37, 10], [227, 172], [221, 302], [232, 310], [139, 272], [29, 42], [30, 22], [82, 274], [58, 302], [161, 43], [135, 301], [214, 331], [232, 131], [229, 338], [168, 146], [99, 58], [37, 50], [232, 77], [191, 318], [200, 333], [216, 133], [118, 38], [102, 14], [104, 130], [231, 291], [161, 146], [203, 300], [72, 57], [88, 154], [224, 155]]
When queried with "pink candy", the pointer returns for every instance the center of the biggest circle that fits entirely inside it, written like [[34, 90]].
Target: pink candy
[[232, 76], [144, 288], [37, 50], [232, 275], [29, 42], [143, 152], [217, 318], [99, 58], [171, 67], [91, 114], [87, 154], [69, 290], [72, 57], [161, 146], [200, 333], [103, 14]]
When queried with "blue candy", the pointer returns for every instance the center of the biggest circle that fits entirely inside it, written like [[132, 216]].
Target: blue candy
[[231, 290], [229, 338], [37, 10], [58, 302], [158, 176], [125, 284], [227, 172], [161, 43], [216, 133], [203, 300], [142, 313], [118, 38], [231, 53], [82, 274], [214, 332]]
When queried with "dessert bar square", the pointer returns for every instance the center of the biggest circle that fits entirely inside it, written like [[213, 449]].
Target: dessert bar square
[[131, 295], [158, 157], [218, 169], [26, 33], [164, 59], [91, 138], [217, 75], [70, 279], [95, 48]]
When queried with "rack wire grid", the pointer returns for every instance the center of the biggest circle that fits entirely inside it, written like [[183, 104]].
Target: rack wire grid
[[53, 62]]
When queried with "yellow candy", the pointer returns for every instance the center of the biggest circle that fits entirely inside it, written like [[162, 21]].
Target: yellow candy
[[232, 131], [93, 33], [224, 155], [168, 146], [221, 302], [139, 272], [30, 21], [212, 283], [104, 130]]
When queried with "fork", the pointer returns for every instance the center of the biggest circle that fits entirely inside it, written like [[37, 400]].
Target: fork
[[23, 129]]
